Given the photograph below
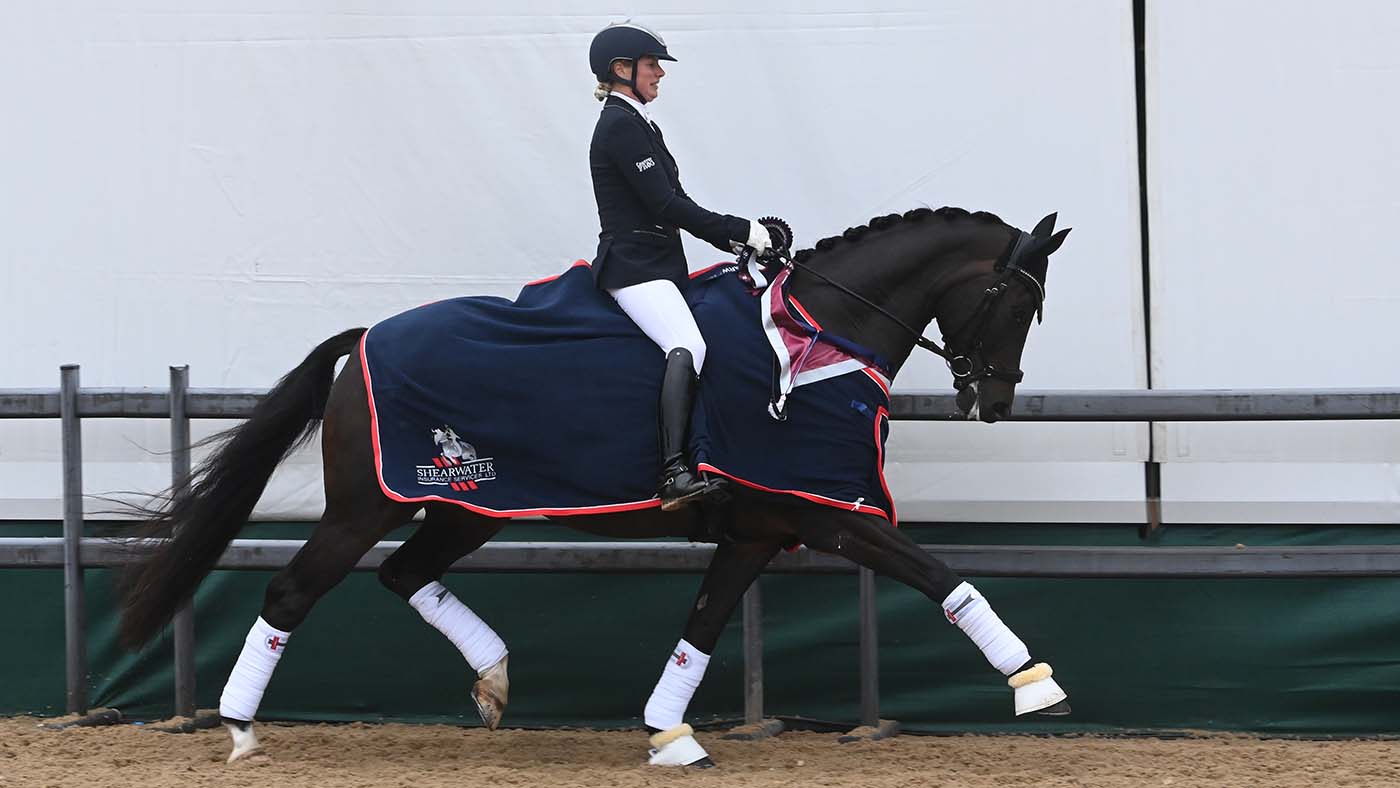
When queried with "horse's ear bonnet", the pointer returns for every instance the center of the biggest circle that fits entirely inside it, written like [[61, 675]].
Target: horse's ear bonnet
[[1046, 243], [1054, 241]]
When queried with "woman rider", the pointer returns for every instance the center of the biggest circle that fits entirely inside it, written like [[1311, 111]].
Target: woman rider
[[642, 209]]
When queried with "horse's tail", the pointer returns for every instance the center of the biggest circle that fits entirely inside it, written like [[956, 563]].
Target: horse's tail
[[202, 516]]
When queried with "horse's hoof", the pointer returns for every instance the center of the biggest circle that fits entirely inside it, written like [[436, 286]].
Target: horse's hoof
[[245, 744], [677, 747], [490, 694], [487, 706], [251, 758], [1036, 691], [1060, 709]]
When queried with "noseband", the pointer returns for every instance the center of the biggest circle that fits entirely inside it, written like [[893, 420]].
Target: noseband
[[964, 360]]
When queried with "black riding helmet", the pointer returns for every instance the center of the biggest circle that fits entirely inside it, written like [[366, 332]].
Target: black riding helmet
[[624, 41]]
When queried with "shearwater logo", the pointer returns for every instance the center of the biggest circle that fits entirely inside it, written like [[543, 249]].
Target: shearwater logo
[[458, 466]]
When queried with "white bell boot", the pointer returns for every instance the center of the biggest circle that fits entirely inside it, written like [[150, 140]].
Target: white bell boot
[[677, 747], [1037, 691]]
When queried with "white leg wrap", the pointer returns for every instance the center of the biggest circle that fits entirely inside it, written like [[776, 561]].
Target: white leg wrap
[[967, 608], [480, 644], [665, 708], [261, 650]]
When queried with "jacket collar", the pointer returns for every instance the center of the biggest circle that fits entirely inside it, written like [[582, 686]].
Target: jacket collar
[[637, 108]]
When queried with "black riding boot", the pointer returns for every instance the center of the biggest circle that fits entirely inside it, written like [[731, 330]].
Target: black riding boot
[[680, 486]]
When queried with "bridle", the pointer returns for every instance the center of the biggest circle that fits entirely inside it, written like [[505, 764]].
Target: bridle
[[964, 359]]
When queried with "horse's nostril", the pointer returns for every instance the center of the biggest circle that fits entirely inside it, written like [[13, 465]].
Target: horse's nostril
[[1001, 409], [967, 398]]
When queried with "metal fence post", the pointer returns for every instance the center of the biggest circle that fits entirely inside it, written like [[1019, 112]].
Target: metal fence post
[[872, 728], [755, 727], [183, 625], [1153, 495], [74, 614], [869, 652], [753, 655]]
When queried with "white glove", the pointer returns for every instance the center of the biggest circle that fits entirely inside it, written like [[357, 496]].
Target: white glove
[[759, 239]]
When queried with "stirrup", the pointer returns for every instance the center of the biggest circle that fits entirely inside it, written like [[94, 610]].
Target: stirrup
[[680, 486], [672, 503]]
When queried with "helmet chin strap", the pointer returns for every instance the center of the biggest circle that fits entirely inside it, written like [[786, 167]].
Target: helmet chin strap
[[636, 91], [632, 83]]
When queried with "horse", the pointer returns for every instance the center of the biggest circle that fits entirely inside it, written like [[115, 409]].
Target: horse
[[874, 288]]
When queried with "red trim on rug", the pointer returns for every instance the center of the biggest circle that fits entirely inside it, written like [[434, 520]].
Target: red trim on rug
[[881, 413], [576, 264], [798, 306], [879, 381], [813, 497]]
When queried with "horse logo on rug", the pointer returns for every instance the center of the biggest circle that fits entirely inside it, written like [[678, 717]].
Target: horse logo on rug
[[453, 447], [458, 466]]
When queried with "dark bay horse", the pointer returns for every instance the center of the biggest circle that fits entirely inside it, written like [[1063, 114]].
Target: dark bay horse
[[878, 286]]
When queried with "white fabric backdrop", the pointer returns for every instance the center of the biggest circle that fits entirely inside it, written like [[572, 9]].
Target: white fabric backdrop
[[1274, 158], [225, 184]]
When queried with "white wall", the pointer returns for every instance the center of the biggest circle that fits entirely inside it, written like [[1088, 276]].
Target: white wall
[[1274, 163], [224, 184]]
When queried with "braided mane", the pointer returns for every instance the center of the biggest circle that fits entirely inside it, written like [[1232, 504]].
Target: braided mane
[[887, 221]]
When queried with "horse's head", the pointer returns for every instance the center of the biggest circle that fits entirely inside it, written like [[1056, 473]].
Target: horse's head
[[983, 280], [986, 318]]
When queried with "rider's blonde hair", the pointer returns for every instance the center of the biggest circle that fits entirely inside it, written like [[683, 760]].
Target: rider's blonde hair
[[601, 92]]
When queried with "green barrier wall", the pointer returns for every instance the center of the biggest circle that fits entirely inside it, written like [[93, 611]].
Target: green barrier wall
[[1274, 656]]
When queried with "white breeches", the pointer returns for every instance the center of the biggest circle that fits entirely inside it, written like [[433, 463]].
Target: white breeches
[[660, 311]]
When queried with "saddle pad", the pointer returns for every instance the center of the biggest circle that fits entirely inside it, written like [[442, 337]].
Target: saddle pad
[[547, 405]]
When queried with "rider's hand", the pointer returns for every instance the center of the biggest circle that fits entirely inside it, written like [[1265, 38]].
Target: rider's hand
[[759, 239]]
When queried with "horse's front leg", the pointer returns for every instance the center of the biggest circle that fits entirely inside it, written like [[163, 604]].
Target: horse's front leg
[[731, 571], [873, 543]]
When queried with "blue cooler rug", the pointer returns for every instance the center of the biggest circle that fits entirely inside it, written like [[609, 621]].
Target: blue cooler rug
[[547, 405]]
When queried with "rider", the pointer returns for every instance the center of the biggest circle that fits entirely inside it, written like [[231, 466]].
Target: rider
[[641, 204]]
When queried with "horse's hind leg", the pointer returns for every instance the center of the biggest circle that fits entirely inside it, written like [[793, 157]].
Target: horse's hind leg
[[357, 516], [337, 544], [875, 544], [414, 572]]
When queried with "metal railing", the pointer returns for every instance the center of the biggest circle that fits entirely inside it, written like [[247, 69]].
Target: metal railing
[[179, 403]]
